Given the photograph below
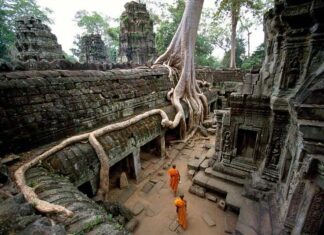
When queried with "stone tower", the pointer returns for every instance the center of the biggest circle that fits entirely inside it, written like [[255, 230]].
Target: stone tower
[[93, 49], [136, 43], [35, 41]]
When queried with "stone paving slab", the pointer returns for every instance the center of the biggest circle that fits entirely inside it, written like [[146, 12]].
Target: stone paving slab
[[194, 163], [174, 225], [147, 187], [211, 197], [209, 221], [156, 188], [138, 208]]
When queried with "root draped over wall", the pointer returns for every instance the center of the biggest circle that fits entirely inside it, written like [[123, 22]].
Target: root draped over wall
[[179, 58]]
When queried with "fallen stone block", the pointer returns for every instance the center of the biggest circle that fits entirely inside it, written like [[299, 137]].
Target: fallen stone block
[[138, 208], [209, 221], [191, 173], [211, 197], [197, 190], [132, 224], [221, 204], [123, 182]]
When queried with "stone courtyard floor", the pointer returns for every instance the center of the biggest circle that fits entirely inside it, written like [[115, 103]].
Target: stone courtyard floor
[[153, 200]]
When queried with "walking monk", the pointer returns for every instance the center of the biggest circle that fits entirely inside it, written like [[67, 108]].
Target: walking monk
[[174, 179], [181, 205]]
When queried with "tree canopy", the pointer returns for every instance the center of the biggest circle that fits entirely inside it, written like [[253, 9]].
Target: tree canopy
[[236, 10], [168, 25], [10, 10]]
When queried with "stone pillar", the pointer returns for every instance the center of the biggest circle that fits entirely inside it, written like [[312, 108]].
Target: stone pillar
[[137, 162], [219, 117], [279, 133]]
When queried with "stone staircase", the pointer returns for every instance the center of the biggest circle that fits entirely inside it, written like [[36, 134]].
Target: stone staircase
[[89, 218], [240, 165]]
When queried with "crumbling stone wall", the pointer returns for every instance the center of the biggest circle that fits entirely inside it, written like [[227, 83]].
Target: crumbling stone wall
[[292, 80], [92, 49], [35, 41], [37, 107], [136, 39]]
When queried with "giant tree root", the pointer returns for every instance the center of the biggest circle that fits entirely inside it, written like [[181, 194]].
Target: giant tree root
[[46, 207], [178, 57]]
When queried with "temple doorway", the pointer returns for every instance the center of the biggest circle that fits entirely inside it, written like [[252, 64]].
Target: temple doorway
[[246, 141]]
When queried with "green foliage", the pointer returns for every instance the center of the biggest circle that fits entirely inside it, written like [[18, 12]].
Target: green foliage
[[167, 28], [240, 12], [256, 59], [10, 10], [70, 58], [96, 23]]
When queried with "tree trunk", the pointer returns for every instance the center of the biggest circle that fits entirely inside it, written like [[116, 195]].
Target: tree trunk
[[179, 56], [234, 16]]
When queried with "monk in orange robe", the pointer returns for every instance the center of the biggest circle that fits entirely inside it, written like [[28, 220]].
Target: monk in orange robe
[[174, 179], [181, 205]]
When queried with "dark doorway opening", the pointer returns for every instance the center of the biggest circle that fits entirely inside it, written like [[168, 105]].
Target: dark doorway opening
[[125, 165], [86, 189], [219, 104], [172, 134], [246, 140]]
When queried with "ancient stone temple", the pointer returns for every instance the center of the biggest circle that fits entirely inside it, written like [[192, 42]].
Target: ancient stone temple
[[35, 41], [260, 154], [92, 49], [136, 40]]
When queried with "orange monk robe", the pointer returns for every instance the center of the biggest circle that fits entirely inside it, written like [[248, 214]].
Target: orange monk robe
[[174, 179], [182, 212]]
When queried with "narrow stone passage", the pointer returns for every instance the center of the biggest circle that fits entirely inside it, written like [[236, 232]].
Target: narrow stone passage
[[154, 205]]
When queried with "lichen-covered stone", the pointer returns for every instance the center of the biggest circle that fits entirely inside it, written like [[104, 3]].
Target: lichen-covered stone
[[35, 41], [137, 40], [92, 49]]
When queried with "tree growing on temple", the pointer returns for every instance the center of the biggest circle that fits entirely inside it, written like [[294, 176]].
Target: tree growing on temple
[[179, 59], [167, 25]]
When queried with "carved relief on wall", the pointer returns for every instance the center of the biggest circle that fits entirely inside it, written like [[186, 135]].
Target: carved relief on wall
[[296, 192], [278, 138], [291, 74], [275, 152], [315, 213], [226, 141]]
